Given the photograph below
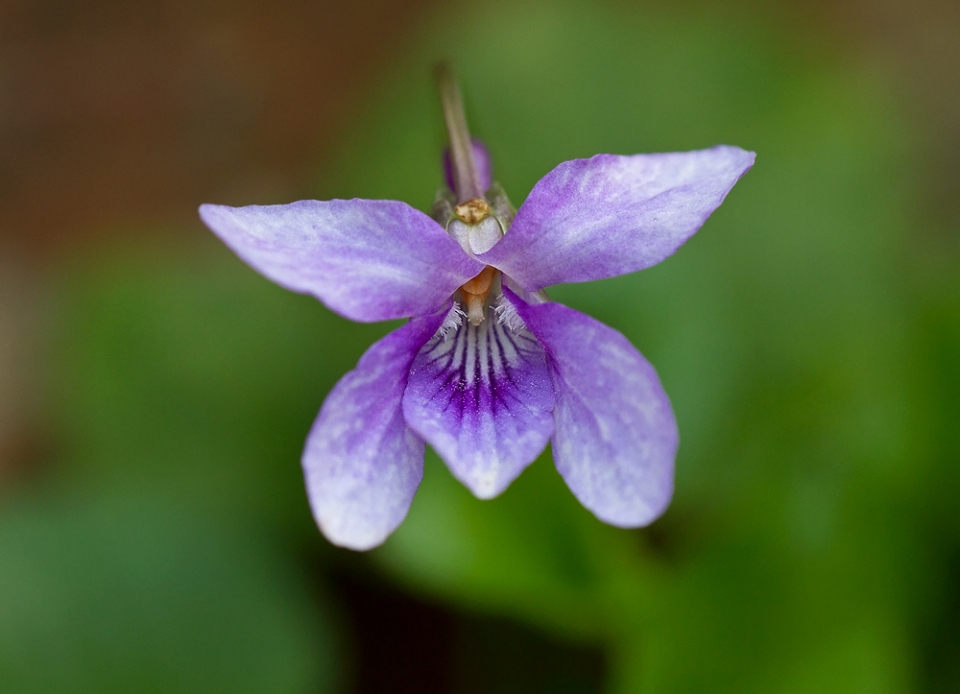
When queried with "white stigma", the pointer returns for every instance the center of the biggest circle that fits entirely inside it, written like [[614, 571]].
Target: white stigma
[[475, 310]]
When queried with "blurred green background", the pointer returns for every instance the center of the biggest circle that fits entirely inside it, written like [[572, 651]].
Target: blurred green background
[[155, 392]]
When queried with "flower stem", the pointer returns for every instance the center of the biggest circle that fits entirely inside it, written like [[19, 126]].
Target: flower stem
[[466, 178]]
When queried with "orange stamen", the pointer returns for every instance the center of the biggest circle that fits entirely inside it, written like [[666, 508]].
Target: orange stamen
[[475, 292], [481, 284]]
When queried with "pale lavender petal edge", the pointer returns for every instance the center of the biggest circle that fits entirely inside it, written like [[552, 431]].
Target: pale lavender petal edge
[[615, 436], [368, 260], [609, 215], [362, 463]]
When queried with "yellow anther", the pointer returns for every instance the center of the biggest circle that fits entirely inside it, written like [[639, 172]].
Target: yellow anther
[[472, 211]]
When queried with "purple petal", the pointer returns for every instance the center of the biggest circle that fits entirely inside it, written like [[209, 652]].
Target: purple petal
[[616, 436], [362, 463], [368, 260], [481, 157], [482, 397], [609, 215]]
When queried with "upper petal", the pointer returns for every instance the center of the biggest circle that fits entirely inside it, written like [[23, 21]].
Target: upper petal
[[609, 215], [616, 436], [481, 157], [362, 463], [482, 397], [368, 260]]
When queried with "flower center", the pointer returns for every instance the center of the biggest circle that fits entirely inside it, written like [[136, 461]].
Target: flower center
[[474, 293], [472, 211]]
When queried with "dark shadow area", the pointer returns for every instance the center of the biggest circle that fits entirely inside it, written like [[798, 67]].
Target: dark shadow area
[[402, 644], [498, 655]]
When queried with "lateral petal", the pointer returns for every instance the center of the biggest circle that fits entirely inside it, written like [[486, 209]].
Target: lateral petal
[[368, 260], [482, 397], [609, 215], [362, 464], [616, 436]]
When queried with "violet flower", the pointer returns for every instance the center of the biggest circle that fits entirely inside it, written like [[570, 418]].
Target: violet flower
[[487, 370]]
